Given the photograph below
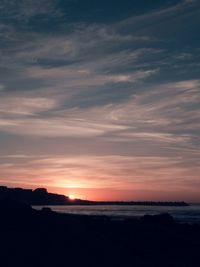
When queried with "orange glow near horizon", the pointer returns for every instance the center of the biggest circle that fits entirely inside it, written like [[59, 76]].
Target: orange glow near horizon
[[109, 178], [113, 194], [110, 194], [107, 109]]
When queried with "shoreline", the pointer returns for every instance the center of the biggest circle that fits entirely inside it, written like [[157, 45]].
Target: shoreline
[[44, 238], [189, 214]]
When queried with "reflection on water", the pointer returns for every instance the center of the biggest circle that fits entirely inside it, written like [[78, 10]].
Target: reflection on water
[[184, 214]]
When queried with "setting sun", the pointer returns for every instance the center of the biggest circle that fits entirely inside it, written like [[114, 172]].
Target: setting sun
[[72, 197]]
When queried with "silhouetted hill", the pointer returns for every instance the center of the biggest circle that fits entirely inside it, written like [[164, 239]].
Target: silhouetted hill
[[40, 196]]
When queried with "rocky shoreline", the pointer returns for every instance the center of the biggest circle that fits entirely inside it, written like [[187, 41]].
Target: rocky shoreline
[[45, 238]]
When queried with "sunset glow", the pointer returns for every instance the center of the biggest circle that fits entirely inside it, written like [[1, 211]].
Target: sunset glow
[[100, 133], [107, 106], [72, 197]]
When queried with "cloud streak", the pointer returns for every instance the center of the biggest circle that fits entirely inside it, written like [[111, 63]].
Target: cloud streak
[[113, 102]]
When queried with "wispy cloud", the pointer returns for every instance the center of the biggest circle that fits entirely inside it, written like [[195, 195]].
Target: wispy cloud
[[118, 101], [25, 105], [25, 10], [105, 171]]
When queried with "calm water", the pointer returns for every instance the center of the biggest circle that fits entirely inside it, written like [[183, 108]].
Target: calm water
[[183, 214]]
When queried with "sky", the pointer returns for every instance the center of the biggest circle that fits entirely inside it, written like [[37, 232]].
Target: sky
[[101, 99]]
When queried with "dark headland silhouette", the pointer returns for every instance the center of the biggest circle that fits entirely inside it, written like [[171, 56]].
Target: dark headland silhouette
[[44, 238], [40, 196]]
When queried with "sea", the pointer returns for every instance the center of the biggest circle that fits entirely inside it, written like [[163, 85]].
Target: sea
[[186, 214]]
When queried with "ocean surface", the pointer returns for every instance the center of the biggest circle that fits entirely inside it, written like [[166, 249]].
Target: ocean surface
[[189, 214]]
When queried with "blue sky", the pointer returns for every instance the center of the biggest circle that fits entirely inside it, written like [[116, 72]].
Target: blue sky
[[101, 95]]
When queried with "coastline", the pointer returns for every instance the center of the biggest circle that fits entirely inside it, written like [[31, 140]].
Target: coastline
[[185, 214], [45, 238]]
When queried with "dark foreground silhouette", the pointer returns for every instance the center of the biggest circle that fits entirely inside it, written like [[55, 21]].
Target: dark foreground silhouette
[[40, 196], [44, 238]]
